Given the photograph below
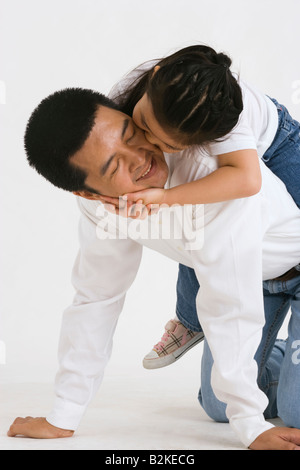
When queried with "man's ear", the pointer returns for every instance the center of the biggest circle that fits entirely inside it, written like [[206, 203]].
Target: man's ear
[[88, 195]]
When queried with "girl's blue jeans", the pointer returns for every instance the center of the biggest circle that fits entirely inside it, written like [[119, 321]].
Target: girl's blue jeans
[[283, 155], [278, 360]]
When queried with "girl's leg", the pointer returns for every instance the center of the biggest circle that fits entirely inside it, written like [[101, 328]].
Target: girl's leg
[[179, 338], [283, 156], [187, 290]]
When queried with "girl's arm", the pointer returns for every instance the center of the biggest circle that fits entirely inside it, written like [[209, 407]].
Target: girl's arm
[[238, 176]]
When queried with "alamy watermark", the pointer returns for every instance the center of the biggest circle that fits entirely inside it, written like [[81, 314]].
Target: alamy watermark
[[181, 223], [2, 353], [2, 92], [296, 354], [296, 93]]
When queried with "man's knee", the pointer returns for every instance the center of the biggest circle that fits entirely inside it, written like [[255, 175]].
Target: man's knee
[[213, 408], [289, 413]]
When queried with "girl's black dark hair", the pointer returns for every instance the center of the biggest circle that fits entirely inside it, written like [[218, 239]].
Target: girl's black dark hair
[[194, 95]]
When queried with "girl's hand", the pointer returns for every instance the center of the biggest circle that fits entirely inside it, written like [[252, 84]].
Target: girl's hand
[[124, 208], [115, 205], [147, 196]]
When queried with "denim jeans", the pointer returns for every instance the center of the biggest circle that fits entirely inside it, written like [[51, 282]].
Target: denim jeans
[[278, 360], [283, 155]]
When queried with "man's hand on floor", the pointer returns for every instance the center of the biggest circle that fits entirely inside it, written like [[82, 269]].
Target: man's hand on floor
[[37, 428], [278, 439]]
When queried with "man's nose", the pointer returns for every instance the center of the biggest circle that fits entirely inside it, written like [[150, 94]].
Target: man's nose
[[136, 157]]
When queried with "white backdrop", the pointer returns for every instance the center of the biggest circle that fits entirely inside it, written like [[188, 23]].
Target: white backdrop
[[46, 45]]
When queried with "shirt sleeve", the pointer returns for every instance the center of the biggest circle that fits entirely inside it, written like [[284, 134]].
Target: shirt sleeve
[[231, 309], [103, 271]]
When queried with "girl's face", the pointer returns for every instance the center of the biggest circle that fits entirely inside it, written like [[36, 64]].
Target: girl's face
[[144, 118]]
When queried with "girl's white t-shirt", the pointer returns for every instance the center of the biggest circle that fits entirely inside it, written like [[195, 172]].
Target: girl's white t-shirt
[[256, 127]]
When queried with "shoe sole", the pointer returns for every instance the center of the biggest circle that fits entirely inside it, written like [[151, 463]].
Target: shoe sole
[[164, 361]]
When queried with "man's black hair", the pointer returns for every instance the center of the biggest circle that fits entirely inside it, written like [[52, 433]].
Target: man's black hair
[[58, 128]]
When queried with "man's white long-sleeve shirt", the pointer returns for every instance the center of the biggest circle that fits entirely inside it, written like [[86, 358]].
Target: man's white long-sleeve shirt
[[232, 246]]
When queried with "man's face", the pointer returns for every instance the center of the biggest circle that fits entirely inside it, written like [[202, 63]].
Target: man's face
[[117, 157]]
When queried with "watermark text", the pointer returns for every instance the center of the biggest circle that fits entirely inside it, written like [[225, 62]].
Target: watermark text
[[181, 223], [2, 353]]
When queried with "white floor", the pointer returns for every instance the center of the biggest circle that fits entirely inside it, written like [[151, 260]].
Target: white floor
[[134, 413]]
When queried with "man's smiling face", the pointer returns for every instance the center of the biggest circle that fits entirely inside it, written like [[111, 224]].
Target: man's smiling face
[[117, 158]]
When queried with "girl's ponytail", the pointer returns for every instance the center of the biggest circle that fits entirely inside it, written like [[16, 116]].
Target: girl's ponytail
[[223, 59]]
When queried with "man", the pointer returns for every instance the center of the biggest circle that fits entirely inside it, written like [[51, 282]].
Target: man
[[80, 142]]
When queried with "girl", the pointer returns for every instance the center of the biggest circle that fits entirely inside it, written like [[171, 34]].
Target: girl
[[192, 98]]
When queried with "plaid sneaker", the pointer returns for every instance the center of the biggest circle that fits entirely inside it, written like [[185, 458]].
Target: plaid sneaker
[[175, 342]]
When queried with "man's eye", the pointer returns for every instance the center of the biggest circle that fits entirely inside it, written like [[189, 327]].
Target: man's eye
[[115, 170], [132, 135]]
